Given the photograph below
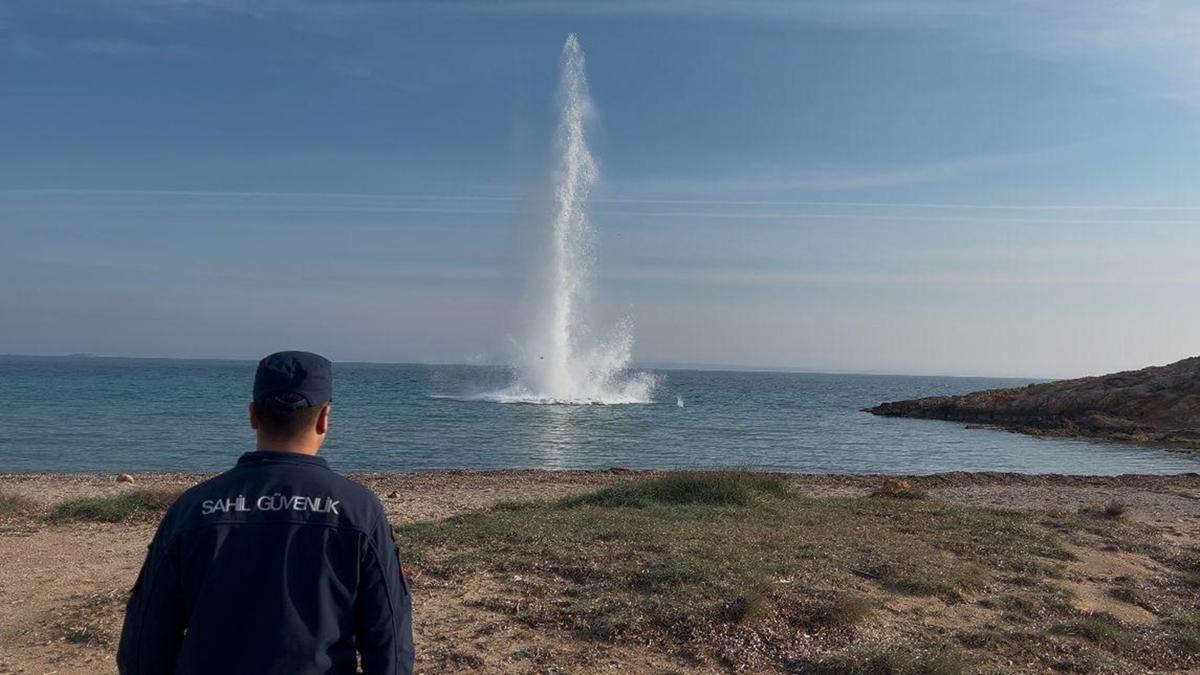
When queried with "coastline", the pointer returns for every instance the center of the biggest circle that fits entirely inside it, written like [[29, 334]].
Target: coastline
[[1155, 406], [455, 491], [63, 596]]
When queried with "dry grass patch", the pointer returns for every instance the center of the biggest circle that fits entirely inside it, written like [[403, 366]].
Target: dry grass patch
[[92, 620], [1184, 630], [738, 572], [1110, 510], [729, 564], [16, 505]]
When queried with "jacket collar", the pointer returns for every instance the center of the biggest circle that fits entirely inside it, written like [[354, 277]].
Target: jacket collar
[[259, 457]]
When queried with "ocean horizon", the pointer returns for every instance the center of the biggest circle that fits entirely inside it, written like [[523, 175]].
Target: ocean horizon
[[633, 366], [116, 414]]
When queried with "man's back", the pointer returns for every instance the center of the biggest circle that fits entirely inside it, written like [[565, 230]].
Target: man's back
[[278, 565]]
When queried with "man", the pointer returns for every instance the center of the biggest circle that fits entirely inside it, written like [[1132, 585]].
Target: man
[[278, 565]]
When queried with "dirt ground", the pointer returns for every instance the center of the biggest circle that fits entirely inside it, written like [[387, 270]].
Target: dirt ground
[[63, 586]]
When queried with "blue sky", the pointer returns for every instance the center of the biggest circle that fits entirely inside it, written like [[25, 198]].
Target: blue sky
[[917, 186]]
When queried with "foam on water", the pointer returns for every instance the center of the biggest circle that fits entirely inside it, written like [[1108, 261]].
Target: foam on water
[[561, 362]]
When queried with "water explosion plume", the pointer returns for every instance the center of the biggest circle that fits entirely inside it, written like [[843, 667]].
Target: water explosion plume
[[561, 362]]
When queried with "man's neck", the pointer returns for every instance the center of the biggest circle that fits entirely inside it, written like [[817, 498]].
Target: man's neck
[[293, 446]]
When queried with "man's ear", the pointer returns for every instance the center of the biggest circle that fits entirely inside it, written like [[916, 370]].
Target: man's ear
[[253, 417], [323, 420]]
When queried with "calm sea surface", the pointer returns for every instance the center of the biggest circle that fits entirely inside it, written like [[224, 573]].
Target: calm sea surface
[[102, 414]]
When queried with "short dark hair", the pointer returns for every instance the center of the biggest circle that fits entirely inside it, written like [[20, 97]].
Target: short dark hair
[[276, 423]]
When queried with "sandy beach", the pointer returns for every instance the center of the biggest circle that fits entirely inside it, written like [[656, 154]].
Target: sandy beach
[[65, 581]]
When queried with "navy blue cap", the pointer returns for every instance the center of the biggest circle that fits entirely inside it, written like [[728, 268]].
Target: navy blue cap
[[287, 381]]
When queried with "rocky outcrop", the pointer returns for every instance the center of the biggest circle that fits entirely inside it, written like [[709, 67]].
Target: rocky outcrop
[[1158, 405]]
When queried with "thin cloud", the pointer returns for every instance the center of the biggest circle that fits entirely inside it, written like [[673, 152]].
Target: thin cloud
[[116, 47], [378, 201], [1153, 45], [756, 277], [842, 179]]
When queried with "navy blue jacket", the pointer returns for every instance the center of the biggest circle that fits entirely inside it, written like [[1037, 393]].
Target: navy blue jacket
[[278, 565]]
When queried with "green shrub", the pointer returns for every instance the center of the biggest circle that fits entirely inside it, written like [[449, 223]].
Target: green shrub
[[657, 577], [912, 577], [1102, 629], [115, 508], [1184, 628], [1011, 604], [744, 608], [889, 660], [1131, 595], [712, 488], [839, 611]]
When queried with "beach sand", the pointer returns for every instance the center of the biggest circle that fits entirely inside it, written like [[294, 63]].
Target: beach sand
[[63, 584]]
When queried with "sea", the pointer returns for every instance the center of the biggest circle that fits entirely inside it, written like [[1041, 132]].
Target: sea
[[95, 414]]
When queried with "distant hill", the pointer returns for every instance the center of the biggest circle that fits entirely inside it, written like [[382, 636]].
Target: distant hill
[[1158, 405]]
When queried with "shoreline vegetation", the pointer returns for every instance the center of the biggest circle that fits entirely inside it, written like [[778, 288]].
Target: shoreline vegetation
[[1158, 406], [679, 572]]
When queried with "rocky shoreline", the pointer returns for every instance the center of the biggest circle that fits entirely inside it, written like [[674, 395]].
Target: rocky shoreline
[[1155, 406]]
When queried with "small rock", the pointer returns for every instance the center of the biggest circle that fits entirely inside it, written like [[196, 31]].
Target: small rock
[[125, 478], [393, 495]]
